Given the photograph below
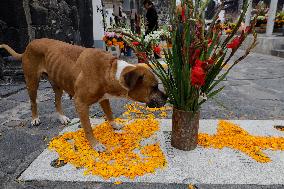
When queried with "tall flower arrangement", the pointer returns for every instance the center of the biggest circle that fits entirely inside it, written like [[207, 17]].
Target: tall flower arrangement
[[198, 57]]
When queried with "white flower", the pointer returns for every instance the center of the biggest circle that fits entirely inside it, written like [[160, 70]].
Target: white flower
[[202, 97]]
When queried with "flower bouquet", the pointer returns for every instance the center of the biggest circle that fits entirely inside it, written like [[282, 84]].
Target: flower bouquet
[[113, 42], [196, 65], [142, 45], [279, 20]]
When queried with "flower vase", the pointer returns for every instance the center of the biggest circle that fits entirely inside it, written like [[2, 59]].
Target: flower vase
[[185, 125], [114, 50], [142, 57], [128, 51]]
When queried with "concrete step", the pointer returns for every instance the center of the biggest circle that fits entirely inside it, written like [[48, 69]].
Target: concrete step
[[278, 52], [282, 46], [222, 166]]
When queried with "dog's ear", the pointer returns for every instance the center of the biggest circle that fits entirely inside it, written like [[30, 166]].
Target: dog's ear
[[131, 77]]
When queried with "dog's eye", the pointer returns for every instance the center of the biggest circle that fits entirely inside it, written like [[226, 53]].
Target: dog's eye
[[155, 88]]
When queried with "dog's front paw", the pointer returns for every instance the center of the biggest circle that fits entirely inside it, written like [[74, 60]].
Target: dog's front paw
[[63, 119], [35, 122], [99, 147], [116, 126]]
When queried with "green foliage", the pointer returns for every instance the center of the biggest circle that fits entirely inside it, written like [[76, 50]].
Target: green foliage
[[199, 60]]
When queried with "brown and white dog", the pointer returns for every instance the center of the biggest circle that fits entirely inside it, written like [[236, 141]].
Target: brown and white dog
[[89, 75]]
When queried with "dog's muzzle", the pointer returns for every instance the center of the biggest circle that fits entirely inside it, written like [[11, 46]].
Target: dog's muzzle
[[157, 100]]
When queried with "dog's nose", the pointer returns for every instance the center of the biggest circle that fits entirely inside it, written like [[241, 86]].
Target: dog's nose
[[165, 96]]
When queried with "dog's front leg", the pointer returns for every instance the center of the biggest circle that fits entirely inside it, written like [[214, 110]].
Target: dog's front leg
[[107, 110], [83, 111]]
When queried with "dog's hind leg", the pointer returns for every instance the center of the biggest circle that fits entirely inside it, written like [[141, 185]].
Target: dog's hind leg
[[58, 95], [32, 86], [107, 110]]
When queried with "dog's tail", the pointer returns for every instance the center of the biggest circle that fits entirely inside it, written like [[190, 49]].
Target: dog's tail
[[14, 54]]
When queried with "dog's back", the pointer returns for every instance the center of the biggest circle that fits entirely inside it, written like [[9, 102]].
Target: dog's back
[[54, 58], [47, 47]]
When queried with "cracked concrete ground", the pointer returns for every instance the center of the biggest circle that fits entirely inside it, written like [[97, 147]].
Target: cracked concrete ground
[[254, 90]]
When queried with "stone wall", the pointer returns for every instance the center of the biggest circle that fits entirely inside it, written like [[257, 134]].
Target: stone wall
[[13, 25], [163, 9], [24, 20], [69, 20]]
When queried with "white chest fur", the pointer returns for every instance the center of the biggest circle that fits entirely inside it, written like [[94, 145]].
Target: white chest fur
[[121, 65]]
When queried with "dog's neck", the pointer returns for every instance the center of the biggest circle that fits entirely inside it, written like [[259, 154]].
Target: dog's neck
[[121, 65], [116, 88]]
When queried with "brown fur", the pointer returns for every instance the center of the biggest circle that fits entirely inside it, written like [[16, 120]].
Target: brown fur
[[85, 74]]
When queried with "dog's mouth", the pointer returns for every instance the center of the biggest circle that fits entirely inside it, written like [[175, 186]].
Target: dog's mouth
[[156, 103], [153, 104]]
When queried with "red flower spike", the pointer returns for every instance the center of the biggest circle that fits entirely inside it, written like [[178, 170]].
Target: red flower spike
[[183, 17], [248, 29], [196, 54], [209, 42], [199, 63], [135, 43], [210, 61], [157, 50], [234, 43], [197, 76]]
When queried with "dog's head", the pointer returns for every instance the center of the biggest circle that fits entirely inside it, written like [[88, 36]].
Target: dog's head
[[143, 86]]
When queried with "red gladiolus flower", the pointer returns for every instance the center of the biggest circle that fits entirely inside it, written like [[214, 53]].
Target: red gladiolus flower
[[209, 42], [135, 43], [234, 44], [157, 50], [197, 76], [248, 29], [196, 54], [199, 63], [183, 17], [210, 61]]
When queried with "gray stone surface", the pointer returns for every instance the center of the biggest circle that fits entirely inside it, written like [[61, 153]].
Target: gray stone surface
[[254, 90], [7, 90], [200, 166], [6, 105]]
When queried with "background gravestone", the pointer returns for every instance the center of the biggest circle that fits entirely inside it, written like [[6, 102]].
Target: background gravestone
[[24, 20], [13, 25]]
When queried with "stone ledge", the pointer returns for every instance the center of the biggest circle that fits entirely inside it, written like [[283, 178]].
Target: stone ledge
[[200, 166]]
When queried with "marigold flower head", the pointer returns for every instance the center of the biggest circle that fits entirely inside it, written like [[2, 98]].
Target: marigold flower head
[[109, 43]]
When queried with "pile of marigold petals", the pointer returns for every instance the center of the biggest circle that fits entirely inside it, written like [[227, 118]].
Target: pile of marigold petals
[[232, 136], [134, 111], [124, 155]]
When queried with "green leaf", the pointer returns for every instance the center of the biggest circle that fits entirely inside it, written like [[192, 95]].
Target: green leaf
[[221, 78], [210, 49], [212, 94]]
